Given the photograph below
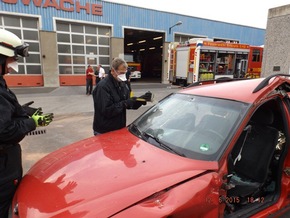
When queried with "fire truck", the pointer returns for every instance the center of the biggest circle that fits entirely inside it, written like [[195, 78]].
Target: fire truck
[[133, 66], [135, 69], [205, 59]]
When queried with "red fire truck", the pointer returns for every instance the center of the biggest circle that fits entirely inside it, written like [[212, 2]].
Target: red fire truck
[[205, 59], [135, 69]]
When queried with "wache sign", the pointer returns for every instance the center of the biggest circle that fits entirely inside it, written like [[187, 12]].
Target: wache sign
[[63, 5]]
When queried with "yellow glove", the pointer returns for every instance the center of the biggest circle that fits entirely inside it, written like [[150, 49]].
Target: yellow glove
[[42, 119]]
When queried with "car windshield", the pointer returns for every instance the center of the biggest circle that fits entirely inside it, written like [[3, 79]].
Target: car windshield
[[192, 126]]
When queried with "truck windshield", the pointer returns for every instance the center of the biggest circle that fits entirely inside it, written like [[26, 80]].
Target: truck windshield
[[198, 127]]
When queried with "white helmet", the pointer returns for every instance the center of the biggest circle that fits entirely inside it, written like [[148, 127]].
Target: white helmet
[[11, 45]]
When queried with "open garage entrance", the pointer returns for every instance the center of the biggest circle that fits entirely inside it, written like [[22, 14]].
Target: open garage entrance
[[144, 50]]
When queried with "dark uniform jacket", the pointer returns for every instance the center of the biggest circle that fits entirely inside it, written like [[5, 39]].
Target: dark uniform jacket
[[109, 103], [14, 125]]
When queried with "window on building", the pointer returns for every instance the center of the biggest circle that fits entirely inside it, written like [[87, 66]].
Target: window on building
[[183, 38], [29, 23], [63, 27], [104, 50], [226, 40], [27, 29], [81, 44], [11, 21]]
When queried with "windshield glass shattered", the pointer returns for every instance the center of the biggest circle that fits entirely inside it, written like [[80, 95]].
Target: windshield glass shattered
[[192, 126]]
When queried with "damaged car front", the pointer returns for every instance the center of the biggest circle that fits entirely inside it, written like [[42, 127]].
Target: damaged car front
[[165, 163]]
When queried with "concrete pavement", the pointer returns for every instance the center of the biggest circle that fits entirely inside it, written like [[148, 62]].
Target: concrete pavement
[[73, 112]]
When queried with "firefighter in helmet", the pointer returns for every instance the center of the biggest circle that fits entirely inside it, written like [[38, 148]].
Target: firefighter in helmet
[[15, 120]]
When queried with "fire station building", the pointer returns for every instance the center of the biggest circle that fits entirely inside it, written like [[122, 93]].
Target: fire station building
[[276, 57], [65, 36]]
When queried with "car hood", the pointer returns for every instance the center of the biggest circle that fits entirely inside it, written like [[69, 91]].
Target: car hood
[[101, 176]]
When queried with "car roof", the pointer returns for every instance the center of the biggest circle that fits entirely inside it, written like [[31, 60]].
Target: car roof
[[241, 90]]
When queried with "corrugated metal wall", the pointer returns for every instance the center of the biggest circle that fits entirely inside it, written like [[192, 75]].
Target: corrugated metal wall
[[129, 16]]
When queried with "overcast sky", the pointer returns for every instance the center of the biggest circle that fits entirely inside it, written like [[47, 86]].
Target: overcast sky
[[245, 12]]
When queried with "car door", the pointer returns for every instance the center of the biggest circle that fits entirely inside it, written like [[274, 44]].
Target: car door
[[281, 208], [258, 163]]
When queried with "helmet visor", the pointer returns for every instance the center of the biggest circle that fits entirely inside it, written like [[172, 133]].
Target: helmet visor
[[21, 50]]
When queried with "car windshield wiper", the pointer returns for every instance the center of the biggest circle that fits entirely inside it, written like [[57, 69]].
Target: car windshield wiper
[[133, 127], [162, 145]]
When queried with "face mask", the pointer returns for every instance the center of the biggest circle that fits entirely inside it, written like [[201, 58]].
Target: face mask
[[12, 65], [122, 77]]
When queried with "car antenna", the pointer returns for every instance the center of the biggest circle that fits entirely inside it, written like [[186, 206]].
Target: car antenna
[[265, 82]]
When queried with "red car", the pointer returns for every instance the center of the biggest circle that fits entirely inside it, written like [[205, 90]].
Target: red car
[[214, 150]]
